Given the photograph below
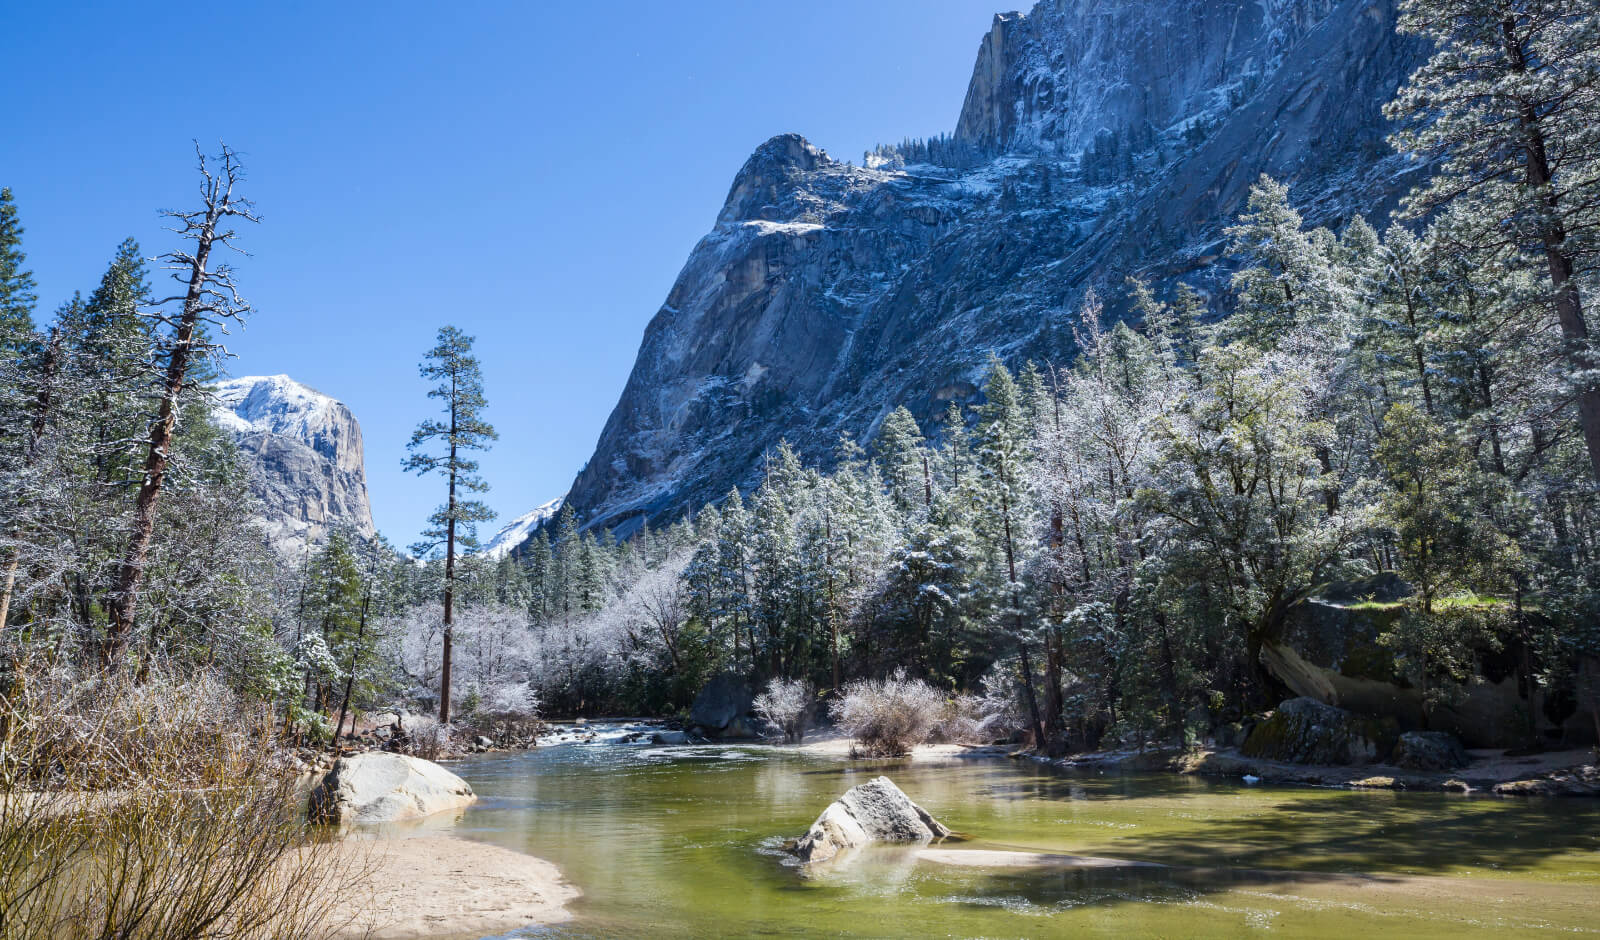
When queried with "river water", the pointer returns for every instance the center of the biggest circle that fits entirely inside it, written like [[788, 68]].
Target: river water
[[686, 842]]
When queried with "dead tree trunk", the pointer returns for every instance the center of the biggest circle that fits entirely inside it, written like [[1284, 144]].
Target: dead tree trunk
[[210, 297]]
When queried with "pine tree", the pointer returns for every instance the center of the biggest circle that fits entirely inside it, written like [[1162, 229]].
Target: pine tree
[[1507, 105], [899, 448], [1285, 281], [733, 592], [17, 296], [1002, 450], [541, 575], [1431, 502], [110, 333], [439, 447], [564, 569]]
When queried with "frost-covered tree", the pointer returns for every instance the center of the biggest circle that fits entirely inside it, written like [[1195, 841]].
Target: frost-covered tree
[[1506, 108], [209, 299], [17, 294]]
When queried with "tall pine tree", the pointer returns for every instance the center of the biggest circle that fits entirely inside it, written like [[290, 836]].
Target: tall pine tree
[[439, 448]]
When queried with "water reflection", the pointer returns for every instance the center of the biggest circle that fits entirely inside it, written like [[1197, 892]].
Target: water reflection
[[686, 842]]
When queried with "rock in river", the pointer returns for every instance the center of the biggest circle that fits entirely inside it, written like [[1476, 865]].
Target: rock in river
[[1305, 731], [876, 811], [381, 787]]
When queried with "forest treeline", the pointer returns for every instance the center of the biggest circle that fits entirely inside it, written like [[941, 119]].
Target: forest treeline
[[1101, 546]]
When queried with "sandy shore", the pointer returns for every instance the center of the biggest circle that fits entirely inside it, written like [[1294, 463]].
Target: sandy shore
[[442, 886]]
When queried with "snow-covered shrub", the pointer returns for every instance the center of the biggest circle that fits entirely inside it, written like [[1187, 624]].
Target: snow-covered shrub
[[961, 721], [1002, 716], [428, 739], [888, 717], [785, 705]]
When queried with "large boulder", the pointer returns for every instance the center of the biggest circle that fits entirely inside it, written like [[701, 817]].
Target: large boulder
[[1429, 750], [722, 709], [1305, 731], [378, 786], [875, 811]]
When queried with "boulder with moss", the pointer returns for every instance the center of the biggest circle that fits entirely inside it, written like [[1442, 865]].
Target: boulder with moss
[[1305, 731]]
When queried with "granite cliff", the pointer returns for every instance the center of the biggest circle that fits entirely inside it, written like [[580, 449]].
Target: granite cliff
[[305, 457], [1098, 139]]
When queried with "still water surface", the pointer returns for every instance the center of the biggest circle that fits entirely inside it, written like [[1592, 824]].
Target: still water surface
[[686, 842]]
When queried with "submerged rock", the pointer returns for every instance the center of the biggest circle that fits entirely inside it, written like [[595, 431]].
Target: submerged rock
[[378, 786], [1429, 750], [876, 811], [1305, 731]]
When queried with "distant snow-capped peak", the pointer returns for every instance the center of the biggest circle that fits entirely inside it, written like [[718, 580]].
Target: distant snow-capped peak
[[516, 531], [273, 404]]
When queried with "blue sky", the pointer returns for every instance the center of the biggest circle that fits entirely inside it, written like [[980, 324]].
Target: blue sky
[[533, 172]]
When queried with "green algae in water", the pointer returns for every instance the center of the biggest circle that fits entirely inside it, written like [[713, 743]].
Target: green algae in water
[[686, 842]]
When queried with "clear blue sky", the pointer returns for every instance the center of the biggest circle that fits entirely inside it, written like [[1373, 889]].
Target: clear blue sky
[[534, 172]]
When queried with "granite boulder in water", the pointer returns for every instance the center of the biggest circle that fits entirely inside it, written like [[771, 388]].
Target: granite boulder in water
[[875, 811]]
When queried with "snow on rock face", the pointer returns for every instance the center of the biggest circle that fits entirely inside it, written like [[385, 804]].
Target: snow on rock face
[[305, 455], [1108, 138], [515, 532]]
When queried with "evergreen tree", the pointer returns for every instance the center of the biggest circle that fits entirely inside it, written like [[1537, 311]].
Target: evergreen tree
[[439, 448], [1002, 450], [900, 452], [541, 575], [1506, 105], [1285, 281], [17, 296]]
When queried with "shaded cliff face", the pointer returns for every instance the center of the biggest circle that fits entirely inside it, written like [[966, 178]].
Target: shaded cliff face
[[1117, 137], [305, 456]]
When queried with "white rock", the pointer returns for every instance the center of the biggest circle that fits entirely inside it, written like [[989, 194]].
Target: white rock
[[875, 811], [381, 787]]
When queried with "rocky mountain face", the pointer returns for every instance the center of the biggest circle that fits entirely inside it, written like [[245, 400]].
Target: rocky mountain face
[[306, 462], [1099, 139]]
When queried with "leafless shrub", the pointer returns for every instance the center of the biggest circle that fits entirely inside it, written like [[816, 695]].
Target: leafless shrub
[[785, 705], [428, 739], [152, 807], [961, 721], [888, 717]]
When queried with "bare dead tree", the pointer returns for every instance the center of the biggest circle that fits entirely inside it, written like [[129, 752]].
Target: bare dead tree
[[210, 298]]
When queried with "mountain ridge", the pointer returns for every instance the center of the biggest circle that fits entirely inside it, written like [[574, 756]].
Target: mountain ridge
[[1096, 140]]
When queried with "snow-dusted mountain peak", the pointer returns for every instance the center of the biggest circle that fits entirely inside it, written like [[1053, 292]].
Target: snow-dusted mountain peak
[[305, 452], [516, 531]]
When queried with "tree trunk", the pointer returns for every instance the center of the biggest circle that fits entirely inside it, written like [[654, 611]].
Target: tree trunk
[[355, 662], [123, 602], [449, 571], [1016, 606], [1558, 258]]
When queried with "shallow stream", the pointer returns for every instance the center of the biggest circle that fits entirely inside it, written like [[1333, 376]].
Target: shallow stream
[[686, 842]]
